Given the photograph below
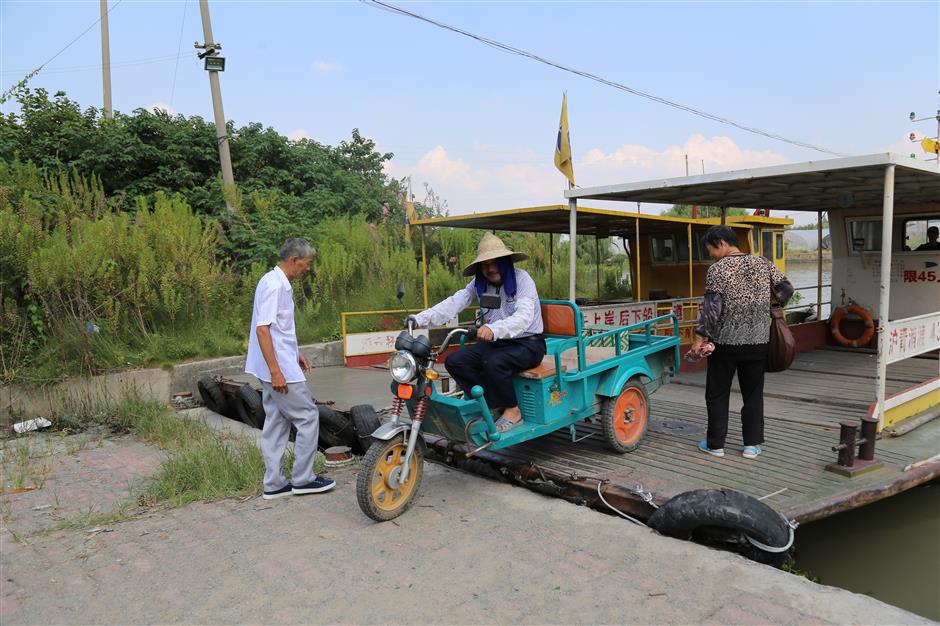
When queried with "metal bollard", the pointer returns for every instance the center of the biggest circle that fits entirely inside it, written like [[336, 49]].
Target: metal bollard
[[866, 448], [848, 465]]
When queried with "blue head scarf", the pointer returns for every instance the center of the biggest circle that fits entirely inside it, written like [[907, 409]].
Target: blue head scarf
[[506, 269]]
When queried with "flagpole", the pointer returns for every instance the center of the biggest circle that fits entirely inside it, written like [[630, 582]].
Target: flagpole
[[572, 244]]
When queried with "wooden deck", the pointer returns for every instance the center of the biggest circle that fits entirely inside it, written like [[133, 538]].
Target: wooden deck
[[802, 406]]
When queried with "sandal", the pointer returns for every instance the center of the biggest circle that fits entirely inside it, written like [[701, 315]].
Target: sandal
[[504, 424]]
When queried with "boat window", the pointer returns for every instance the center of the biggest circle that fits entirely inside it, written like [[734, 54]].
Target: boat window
[[779, 252], [922, 234], [662, 249], [682, 247], [767, 245], [866, 235]]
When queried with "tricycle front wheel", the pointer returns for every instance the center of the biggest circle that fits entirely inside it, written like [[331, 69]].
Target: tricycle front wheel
[[625, 417], [378, 491]]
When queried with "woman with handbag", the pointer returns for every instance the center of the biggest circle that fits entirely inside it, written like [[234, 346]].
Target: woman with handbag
[[733, 330]]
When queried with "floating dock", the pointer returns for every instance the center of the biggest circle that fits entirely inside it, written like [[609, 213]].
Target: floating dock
[[803, 407]]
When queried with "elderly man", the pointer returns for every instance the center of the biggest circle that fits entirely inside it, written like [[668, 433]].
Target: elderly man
[[510, 339], [275, 359]]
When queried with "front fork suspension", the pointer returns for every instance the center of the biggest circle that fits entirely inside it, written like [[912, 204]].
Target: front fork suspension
[[413, 435]]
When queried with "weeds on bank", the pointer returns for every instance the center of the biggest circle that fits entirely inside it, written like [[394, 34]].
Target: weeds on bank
[[24, 464], [790, 567], [201, 464]]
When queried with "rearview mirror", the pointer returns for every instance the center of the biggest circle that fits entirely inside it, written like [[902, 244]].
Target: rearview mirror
[[489, 301], [401, 292]]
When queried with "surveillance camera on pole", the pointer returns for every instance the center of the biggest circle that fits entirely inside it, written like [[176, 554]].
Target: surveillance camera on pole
[[215, 64]]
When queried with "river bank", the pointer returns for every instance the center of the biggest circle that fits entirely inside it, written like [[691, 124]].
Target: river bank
[[471, 550]]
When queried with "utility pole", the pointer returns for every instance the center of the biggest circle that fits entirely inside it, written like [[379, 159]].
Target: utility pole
[[105, 60], [211, 48]]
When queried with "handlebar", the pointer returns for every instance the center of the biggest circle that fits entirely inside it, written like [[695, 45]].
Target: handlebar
[[471, 335]]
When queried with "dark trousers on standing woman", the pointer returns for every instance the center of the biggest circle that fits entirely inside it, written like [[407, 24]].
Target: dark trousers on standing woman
[[492, 364], [748, 361]]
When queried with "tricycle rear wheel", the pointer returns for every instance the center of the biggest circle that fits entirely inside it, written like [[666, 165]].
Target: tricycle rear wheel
[[379, 496], [625, 417]]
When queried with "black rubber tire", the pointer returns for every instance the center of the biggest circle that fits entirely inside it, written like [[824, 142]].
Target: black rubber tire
[[370, 474], [212, 395], [697, 514], [335, 429], [365, 422], [608, 417], [249, 407]]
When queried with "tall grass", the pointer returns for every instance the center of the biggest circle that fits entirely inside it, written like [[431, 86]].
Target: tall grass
[[90, 285]]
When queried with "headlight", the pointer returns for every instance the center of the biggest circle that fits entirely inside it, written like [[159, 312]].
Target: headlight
[[403, 367]]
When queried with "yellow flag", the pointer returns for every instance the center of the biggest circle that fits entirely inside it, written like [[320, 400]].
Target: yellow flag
[[930, 145], [409, 218], [563, 144]]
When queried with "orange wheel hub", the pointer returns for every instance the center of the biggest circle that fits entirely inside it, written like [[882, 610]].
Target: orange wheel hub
[[630, 415]]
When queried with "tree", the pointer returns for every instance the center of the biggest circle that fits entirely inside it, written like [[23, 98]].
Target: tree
[[685, 210]]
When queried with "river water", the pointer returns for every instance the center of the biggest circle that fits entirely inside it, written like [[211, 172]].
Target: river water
[[889, 550], [803, 276]]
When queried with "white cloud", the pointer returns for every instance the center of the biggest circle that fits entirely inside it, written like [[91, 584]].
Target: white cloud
[[639, 162], [298, 134], [438, 166], [161, 106], [493, 178], [324, 67]]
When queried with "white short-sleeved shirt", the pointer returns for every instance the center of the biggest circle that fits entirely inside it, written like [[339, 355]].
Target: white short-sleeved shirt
[[274, 307]]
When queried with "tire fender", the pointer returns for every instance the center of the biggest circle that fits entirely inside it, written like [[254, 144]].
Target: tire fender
[[390, 429], [212, 395], [614, 382], [249, 406], [730, 510]]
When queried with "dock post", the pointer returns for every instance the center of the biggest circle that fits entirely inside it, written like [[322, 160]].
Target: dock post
[[866, 449], [848, 435], [848, 465]]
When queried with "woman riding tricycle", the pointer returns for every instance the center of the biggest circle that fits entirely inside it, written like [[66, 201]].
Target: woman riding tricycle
[[511, 391]]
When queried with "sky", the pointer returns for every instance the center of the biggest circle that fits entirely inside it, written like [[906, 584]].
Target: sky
[[479, 125]]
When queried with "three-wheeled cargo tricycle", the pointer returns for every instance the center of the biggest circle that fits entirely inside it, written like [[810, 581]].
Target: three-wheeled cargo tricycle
[[578, 380]]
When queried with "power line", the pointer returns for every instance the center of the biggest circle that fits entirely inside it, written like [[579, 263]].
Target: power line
[[68, 45], [67, 69], [379, 4], [179, 48]]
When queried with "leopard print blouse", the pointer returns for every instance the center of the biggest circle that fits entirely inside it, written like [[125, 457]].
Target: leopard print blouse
[[736, 308]]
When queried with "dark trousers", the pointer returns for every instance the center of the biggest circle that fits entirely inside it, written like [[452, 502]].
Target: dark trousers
[[748, 361], [492, 364]]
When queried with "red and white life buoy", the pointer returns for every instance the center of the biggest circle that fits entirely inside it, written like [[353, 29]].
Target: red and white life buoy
[[836, 320]]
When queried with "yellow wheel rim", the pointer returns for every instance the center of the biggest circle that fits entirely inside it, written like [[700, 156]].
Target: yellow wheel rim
[[389, 466]]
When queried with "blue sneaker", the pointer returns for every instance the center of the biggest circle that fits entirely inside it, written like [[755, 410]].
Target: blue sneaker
[[703, 446], [751, 452], [286, 490], [319, 485]]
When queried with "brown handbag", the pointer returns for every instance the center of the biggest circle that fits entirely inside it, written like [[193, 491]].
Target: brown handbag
[[782, 348]]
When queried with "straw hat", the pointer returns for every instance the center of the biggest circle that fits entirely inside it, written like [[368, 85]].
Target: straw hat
[[491, 247]]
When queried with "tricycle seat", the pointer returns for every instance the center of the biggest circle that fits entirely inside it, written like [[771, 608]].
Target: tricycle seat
[[545, 369]]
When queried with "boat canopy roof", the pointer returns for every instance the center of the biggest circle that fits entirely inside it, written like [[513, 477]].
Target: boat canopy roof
[[591, 221], [828, 185]]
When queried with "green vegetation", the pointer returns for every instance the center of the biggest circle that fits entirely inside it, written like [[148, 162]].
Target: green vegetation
[[117, 251], [685, 210]]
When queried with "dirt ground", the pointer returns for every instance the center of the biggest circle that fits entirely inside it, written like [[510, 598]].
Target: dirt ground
[[470, 551]]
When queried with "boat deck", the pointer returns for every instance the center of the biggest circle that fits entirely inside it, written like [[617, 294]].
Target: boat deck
[[802, 407]]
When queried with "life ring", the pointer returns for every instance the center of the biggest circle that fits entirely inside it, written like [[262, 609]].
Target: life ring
[[836, 320], [729, 518]]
